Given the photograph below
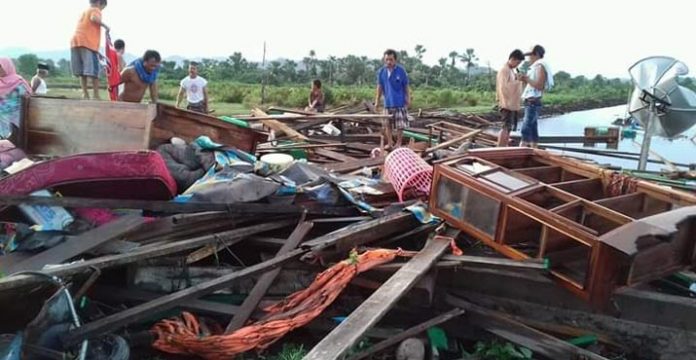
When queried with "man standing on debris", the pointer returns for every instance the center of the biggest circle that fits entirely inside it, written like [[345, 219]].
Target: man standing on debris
[[508, 93], [84, 47], [392, 81], [38, 82], [196, 89], [538, 79], [139, 76]]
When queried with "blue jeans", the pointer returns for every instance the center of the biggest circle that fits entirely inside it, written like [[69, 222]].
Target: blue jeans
[[530, 129]]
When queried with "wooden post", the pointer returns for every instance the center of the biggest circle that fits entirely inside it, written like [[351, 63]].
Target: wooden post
[[339, 341]]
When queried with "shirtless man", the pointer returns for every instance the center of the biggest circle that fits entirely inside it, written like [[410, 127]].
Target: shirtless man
[[140, 75]]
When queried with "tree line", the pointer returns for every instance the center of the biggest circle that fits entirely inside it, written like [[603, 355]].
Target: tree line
[[456, 70]]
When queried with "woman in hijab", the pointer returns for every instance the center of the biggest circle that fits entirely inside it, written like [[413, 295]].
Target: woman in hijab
[[12, 89]]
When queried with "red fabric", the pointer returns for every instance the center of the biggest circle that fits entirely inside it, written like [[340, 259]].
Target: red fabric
[[112, 74], [116, 175]]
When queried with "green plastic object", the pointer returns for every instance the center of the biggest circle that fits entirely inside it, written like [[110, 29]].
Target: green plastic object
[[437, 338], [235, 121], [584, 340], [416, 136], [547, 263]]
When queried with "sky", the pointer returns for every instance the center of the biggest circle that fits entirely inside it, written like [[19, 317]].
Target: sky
[[585, 37]]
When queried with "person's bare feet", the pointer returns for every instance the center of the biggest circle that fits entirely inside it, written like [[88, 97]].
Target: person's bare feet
[[85, 96]]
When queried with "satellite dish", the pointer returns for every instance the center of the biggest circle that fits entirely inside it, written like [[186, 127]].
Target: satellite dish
[[659, 103]]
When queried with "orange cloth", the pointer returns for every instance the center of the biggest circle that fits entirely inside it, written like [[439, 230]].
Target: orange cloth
[[508, 89], [88, 33], [183, 335]]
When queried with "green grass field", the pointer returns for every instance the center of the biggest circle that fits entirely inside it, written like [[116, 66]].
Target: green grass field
[[228, 98]]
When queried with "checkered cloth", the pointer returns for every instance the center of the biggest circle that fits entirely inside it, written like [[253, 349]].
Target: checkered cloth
[[399, 117]]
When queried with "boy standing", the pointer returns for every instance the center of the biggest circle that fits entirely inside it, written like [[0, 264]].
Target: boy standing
[[84, 47]]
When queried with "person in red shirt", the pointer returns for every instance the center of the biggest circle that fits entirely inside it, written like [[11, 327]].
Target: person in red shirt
[[84, 47]]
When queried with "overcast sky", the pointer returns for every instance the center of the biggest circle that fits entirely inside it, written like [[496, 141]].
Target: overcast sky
[[582, 37]]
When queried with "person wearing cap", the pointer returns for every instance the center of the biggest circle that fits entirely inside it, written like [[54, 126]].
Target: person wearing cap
[[508, 93], [538, 79], [38, 82]]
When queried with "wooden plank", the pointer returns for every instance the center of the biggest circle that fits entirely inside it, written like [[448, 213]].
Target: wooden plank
[[265, 281], [85, 242], [413, 331], [277, 125], [174, 207], [173, 122], [334, 155], [113, 293], [367, 231], [144, 253], [354, 165], [514, 331], [60, 127], [456, 140], [345, 335]]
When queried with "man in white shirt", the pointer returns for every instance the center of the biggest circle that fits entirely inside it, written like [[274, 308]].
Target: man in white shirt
[[38, 82], [196, 89]]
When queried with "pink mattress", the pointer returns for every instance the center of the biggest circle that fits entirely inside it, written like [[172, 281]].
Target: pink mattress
[[115, 175]]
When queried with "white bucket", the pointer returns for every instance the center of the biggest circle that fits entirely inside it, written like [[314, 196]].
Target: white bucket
[[276, 162], [331, 130]]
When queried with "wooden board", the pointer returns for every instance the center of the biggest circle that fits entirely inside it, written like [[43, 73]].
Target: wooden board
[[344, 167], [59, 127], [264, 283], [344, 336], [86, 241], [188, 125], [382, 345], [512, 330], [368, 231]]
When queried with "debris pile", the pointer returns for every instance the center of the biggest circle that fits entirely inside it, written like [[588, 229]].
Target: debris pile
[[186, 234]]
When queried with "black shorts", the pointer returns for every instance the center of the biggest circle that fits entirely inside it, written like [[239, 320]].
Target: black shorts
[[509, 119]]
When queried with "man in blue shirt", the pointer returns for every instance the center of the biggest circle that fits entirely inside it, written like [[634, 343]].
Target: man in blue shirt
[[392, 82]]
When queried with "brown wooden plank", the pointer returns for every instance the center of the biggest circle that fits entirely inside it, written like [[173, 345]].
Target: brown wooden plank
[[367, 231], [514, 331], [144, 253], [276, 125], [354, 165], [456, 140], [174, 207], [265, 281], [413, 331], [173, 122], [340, 340], [113, 293], [334, 155], [85, 242], [60, 127]]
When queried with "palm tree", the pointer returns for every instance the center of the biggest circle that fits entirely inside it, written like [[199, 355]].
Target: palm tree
[[453, 56], [332, 69], [469, 59]]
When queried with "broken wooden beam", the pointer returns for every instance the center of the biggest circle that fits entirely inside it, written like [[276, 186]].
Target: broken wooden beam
[[144, 253], [344, 336], [509, 329], [413, 331], [113, 293], [252, 300], [80, 244], [456, 140], [174, 207], [279, 127], [355, 164], [357, 233]]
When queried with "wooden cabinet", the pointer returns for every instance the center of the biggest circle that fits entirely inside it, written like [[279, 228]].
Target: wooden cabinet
[[530, 204]]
